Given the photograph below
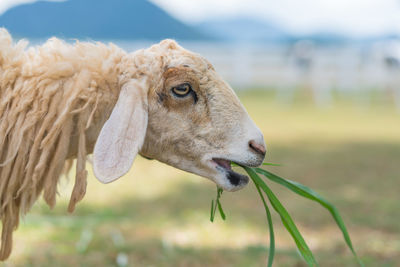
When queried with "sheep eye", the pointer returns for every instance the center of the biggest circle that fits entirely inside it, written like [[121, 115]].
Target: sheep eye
[[182, 90]]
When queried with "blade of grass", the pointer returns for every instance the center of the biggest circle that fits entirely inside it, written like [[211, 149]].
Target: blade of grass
[[212, 211], [216, 205], [306, 192], [271, 252], [221, 210], [285, 217], [271, 164], [219, 194]]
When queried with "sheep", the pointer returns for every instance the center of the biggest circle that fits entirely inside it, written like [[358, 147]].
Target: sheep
[[60, 102]]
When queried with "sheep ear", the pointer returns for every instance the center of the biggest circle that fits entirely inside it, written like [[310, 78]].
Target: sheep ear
[[122, 135]]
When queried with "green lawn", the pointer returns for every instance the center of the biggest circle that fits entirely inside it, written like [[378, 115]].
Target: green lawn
[[159, 216]]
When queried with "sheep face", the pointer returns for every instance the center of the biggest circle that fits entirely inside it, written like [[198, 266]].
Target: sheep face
[[193, 120]]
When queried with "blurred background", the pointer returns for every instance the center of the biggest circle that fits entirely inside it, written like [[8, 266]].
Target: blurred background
[[322, 81]]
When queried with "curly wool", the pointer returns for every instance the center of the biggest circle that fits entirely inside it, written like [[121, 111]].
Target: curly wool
[[49, 96]]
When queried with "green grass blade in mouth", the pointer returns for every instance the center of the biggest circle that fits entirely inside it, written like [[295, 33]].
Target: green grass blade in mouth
[[306, 192], [271, 164], [271, 252], [285, 217]]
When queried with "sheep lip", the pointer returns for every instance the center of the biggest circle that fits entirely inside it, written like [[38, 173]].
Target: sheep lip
[[236, 180], [225, 164]]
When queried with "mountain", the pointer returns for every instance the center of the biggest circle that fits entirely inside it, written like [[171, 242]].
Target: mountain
[[325, 38], [97, 19], [243, 29]]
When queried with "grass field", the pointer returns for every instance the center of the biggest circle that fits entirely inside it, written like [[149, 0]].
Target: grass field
[[159, 216]]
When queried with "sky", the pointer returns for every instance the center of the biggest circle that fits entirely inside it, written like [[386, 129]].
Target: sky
[[351, 17]]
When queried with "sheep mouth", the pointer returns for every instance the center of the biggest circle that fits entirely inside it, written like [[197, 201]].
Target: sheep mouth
[[237, 180]]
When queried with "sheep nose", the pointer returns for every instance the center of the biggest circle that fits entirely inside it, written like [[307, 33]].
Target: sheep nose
[[257, 147]]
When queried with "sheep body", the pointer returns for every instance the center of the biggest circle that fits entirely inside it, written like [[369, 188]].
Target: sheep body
[[47, 95], [60, 101]]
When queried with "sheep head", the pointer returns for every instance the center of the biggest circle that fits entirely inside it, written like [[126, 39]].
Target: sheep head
[[174, 107]]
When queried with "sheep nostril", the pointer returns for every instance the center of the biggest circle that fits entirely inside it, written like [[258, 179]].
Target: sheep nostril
[[258, 148]]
